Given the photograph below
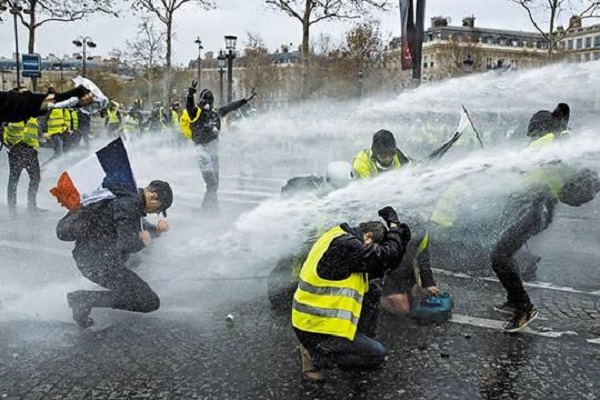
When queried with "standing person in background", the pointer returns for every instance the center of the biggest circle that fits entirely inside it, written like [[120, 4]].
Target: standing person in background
[[202, 124], [113, 119], [22, 139]]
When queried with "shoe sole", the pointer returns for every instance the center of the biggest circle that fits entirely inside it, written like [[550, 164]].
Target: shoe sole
[[502, 311], [533, 318]]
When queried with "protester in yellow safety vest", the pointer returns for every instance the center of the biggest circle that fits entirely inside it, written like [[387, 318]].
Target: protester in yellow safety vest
[[113, 120], [175, 110], [131, 124], [22, 138], [334, 312], [56, 127], [382, 156]]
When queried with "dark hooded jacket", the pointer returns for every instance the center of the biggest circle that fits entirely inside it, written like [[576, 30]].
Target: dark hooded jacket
[[16, 107], [105, 232], [208, 126]]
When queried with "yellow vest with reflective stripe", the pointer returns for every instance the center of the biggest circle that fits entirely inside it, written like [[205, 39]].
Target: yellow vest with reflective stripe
[[541, 142], [67, 118], [186, 123], [174, 119], [112, 117], [446, 209], [56, 122], [364, 164], [74, 120], [131, 124], [31, 133], [324, 306], [14, 133]]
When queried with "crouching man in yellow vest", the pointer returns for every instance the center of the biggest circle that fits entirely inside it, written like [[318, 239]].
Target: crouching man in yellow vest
[[335, 309]]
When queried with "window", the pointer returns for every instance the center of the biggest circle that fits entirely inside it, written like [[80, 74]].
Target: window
[[588, 42], [596, 56], [570, 44], [543, 45], [425, 62], [431, 64], [488, 40], [597, 41], [502, 41], [588, 56], [514, 42], [579, 43]]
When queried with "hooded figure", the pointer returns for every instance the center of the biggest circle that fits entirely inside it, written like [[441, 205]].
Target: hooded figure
[[382, 156]]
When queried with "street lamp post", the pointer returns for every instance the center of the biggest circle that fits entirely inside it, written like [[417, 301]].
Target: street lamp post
[[15, 9], [360, 84], [221, 62], [230, 42], [84, 42], [199, 43]]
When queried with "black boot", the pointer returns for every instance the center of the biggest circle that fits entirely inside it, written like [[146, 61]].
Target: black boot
[[81, 309]]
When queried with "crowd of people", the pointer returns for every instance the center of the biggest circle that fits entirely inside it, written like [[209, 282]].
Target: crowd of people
[[343, 277]]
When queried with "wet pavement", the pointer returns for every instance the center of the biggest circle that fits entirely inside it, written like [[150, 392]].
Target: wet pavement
[[187, 349]]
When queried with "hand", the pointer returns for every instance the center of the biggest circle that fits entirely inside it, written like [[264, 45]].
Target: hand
[[81, 92], [404, 231], [433, 290], [252, 95], [162, 226], [145, 238], [192, 89], [389, 215]]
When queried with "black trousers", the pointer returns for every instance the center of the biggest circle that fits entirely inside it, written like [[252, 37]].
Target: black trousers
[[22, 157], [126, 290], [530, 221]]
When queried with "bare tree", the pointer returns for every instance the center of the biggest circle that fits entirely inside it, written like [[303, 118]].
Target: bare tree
[[143, 56], [311, 12], [41, 12], [546, 17], [165, 12]]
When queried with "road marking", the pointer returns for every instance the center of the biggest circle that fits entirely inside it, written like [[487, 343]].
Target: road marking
[[34, 248], [594, 341], [499, 325], [537, 285]]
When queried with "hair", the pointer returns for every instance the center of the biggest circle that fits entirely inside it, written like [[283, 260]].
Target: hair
[[376, 228]]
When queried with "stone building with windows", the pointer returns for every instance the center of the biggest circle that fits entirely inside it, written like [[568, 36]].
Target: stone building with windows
[[580, 43], [455, 50]]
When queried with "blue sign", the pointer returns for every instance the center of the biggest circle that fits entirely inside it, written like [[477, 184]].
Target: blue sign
[[32, 66]]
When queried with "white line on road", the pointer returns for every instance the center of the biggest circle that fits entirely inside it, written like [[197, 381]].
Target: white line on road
[[538, 285], [594, 341], [499, 325]]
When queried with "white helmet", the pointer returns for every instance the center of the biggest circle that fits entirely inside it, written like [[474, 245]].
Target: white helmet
[[339, 174]]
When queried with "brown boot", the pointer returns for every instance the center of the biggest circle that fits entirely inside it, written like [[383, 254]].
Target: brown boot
[[309, 371]]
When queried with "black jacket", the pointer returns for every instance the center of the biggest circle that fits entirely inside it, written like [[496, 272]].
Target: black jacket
[[16, 107], [105, 232], [347, 254], [208, 126]]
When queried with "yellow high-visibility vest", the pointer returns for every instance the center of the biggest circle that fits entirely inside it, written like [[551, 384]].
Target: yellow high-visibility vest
[[56, 122], [74, 120], [17, 132], [324, 306], [364, 164]]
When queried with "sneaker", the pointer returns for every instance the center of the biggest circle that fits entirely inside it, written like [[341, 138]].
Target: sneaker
[[506, 308], [81, 310], [521, 319], [310, 372]]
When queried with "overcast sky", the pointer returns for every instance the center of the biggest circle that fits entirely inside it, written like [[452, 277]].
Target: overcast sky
[[237, 17]]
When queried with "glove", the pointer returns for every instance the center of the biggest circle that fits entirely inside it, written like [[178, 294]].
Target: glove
[[252, 94], [78, 92], [192, 88], [404, 231], [389, 215]]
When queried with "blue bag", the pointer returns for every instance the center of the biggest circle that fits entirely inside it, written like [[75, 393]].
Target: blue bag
[[433, 309]]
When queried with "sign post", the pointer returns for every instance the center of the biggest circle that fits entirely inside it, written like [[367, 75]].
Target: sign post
[[32, 66]]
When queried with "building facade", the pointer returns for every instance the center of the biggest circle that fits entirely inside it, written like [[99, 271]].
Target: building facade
[[454, 50], [581, 44]]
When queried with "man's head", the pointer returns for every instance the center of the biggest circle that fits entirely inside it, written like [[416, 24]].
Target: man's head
[[175, 106], [372, 232], [159, 197], [206, 100], [561, 114], [384, 148]]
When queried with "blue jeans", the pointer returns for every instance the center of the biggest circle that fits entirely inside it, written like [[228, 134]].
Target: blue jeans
[[361, 353]]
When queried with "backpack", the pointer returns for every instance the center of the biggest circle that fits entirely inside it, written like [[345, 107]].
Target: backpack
[[432, 309]]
